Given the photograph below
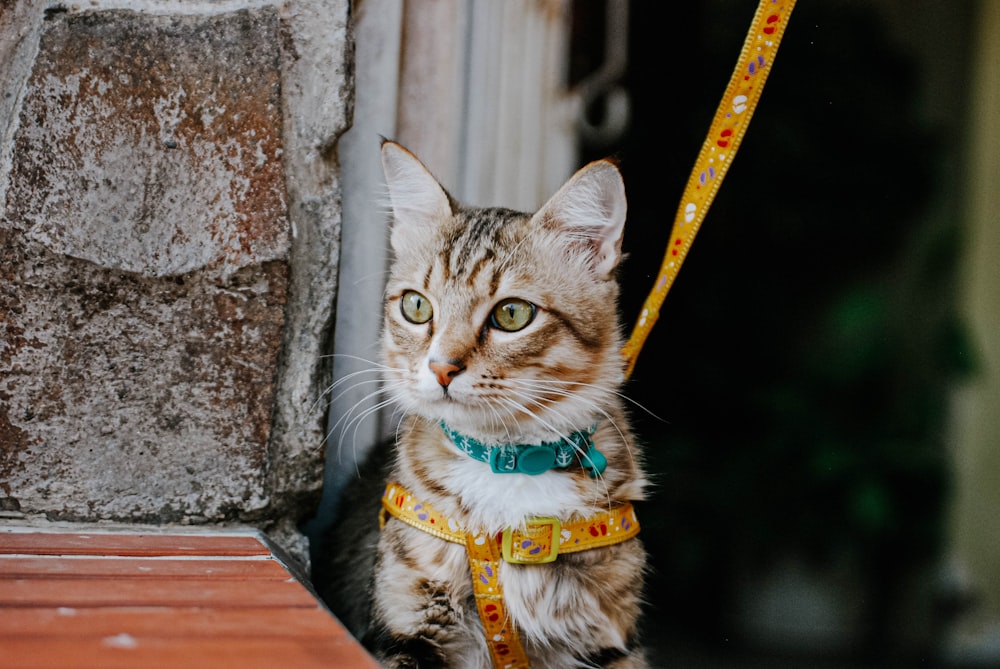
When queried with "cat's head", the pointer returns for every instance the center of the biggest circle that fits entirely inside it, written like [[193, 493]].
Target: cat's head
[[500, 323]]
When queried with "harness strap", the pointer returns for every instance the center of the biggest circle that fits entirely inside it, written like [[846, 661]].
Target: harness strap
[[501, 635], [541, 540]]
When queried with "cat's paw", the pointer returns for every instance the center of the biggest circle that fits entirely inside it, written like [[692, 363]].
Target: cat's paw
[[414, 653]]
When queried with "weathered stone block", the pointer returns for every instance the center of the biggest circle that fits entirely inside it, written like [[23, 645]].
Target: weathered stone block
[[152, 144], [144, 269]]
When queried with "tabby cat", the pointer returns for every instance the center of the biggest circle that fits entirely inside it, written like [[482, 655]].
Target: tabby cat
[[500, 329]]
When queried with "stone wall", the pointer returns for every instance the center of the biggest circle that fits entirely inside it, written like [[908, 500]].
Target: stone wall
[[168, 250]]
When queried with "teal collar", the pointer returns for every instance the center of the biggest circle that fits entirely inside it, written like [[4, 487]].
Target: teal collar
[[534, 458]]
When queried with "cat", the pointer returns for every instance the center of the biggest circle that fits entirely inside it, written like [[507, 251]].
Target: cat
[[500, 328]]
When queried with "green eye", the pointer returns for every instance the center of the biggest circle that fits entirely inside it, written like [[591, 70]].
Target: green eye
[[415, 307], [512, 314]]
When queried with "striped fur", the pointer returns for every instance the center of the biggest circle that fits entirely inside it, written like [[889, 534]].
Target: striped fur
[[559, 374]]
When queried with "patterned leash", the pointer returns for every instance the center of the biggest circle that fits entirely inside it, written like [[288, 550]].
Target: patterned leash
[[717, 152]]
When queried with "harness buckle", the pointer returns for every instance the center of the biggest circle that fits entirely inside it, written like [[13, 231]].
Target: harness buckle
[[532, 546]]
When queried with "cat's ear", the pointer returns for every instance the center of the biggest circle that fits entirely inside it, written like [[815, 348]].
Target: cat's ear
[[590, 208], [417, 199]]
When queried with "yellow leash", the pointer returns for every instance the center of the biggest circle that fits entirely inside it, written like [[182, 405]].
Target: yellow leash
[[717, 152]]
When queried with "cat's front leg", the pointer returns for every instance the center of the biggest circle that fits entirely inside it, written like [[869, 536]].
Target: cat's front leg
[[411, 626], [420, 601]]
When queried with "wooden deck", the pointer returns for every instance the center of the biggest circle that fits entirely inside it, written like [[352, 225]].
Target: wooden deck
[[101, 599]]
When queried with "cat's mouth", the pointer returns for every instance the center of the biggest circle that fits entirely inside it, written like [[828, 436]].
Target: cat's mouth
[[451, 398], [449, 405], [433, 400]]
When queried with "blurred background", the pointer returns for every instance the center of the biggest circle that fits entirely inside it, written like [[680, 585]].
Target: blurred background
[[821, 397], [821, 387]]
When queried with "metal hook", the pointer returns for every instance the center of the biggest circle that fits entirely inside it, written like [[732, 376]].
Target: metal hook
[[602, 84]]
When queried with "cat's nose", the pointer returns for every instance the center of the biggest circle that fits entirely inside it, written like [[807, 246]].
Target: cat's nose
[[445, 371]]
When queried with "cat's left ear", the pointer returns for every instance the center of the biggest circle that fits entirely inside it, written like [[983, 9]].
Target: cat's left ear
[[590, 208]]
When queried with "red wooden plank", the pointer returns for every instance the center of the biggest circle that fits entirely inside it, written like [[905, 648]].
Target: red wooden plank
[[131, 545], [211, 601], [129, 653], [167, 623], [84, 567], [73, 593]]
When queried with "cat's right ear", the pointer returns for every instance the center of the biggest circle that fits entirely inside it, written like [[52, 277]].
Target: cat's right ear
[[417, 199], [590, 209]]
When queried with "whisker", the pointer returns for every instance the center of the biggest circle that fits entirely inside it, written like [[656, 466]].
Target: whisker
[[349, 383], [603, 389], [349, 418], [500, 421], [356, 422], [542, 384], [351, 387], [375, 368], [581, 399], [530, 384]]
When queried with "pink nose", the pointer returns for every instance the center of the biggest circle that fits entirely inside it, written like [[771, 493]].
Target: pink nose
[[445, 371]]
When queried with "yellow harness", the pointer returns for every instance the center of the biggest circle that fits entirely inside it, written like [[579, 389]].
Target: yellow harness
[[542, 540]]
